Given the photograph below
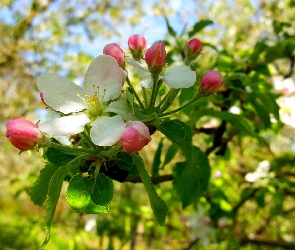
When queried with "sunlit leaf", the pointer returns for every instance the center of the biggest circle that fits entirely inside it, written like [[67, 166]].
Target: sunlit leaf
[[91, 195], [159, 206], [39, 190]]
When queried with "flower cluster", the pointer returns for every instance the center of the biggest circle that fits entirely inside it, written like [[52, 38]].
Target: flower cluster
[[108, 121], [101, 111]]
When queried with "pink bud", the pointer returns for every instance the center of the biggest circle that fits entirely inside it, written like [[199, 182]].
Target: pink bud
[[137, 45], [155, 56], [115, 51], [194, 46], [211, 82], [192, 50], [135, 137], [23, 134]]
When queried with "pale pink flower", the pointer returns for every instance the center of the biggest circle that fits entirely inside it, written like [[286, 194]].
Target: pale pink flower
[[135, 137], [23, 134]]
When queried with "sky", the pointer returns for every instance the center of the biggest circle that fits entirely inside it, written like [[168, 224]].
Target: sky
[[151, 26]]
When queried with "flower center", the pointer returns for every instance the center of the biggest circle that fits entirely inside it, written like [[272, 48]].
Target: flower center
[[95, 106]]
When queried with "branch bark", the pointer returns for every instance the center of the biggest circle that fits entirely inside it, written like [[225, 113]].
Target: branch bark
[[272, 243], [155, 180]]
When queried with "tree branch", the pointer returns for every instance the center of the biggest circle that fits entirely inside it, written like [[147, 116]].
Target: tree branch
[[241, 202], [155, 180], [262, 242]]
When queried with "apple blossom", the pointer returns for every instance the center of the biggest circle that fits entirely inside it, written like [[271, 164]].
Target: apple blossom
[[211, 82], [176, 77], [135, 137], [102, 83], [23, 134], [115, 51]]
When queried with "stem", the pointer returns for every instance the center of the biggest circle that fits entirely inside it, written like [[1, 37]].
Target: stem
[[197, 97], [87, 138], [171, 95], [145, 97], [135, 94], [154, 90], [164, 99]]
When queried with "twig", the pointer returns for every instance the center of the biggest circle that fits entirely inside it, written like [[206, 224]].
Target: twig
[[155, 180]]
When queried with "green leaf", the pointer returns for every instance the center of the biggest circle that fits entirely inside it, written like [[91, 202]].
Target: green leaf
[[124, 161], [146, 115], [157, 159], [260, 198], [159, 206], [90, 196], [261, 103], [57, 157], [259, 47], [171, 152], [173, 130], [191, 178], [186, 145], [171, 31], [199, 26], [54, 190], [39, 190]]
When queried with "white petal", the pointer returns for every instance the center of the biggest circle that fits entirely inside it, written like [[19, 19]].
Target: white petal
[[121, 108], [146, 81], [136, 64], [180, 77], [106, 131], [105, 77], [60, 94], [67, 125]]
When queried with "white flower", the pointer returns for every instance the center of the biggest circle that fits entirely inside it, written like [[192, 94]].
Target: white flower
[[102, 83], [262, 171], [176, 77], [200, 226]]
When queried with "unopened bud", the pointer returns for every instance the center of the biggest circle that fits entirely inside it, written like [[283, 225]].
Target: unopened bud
[[23, 134], [211, 82], [155, 56], [115, 51], [192, 50], [135, 137], [137, 46]]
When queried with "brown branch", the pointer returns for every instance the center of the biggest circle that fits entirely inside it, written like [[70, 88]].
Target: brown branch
[[241, 202], [272, 243], [155, 180]]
